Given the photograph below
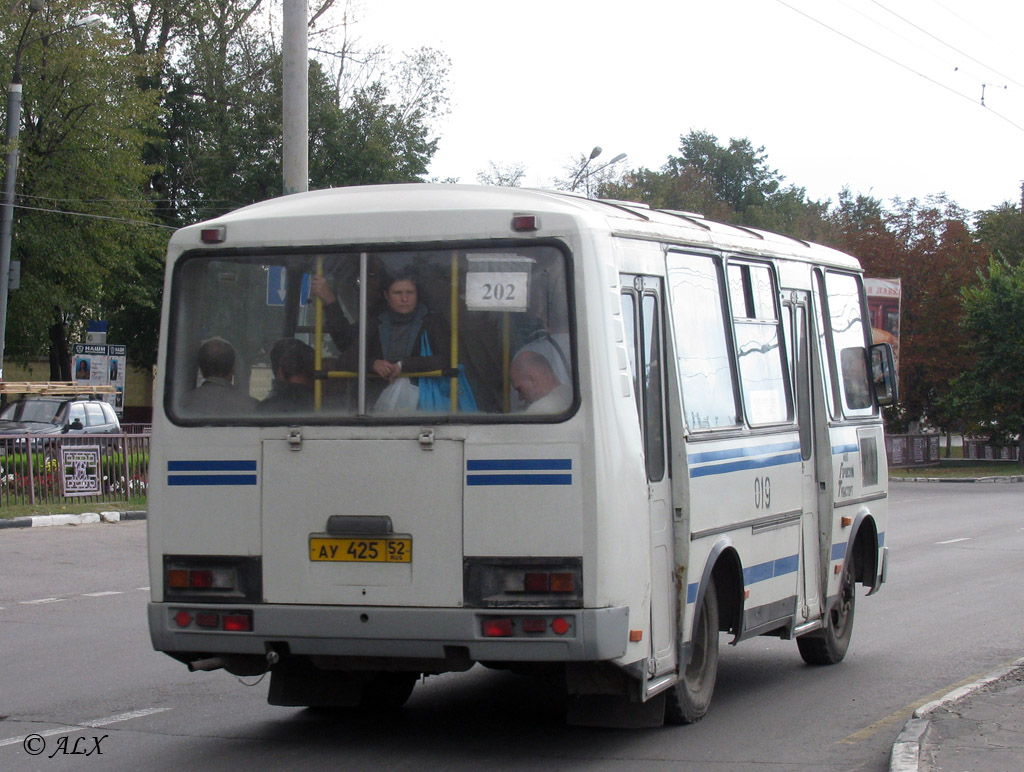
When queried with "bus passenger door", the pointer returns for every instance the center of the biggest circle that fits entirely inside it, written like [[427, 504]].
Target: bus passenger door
[[796, 322], [644, 325]]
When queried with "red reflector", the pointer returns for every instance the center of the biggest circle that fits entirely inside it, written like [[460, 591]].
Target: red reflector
[[201, 578], [213, 235], [208, 620], [183, 618], [177, 578], [535, 582], [562, 583], [534, 625], [497, 628], [560, 626], [525, 222], [238, 623]]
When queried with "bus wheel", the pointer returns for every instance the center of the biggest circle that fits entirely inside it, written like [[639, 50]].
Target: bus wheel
[[688, 701], [388, 690], [828, 646]]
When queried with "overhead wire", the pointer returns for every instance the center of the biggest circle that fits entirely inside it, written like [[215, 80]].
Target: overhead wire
[[899, 64], [937, 39]]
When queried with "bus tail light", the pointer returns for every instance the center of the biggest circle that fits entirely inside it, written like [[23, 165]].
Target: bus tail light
[[526, 627], [204, 619], [523, 582], [213, 578]]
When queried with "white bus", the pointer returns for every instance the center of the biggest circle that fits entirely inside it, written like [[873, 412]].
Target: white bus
[[401, 430]]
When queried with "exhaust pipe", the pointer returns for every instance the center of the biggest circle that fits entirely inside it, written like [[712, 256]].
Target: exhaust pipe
[[213, 663]]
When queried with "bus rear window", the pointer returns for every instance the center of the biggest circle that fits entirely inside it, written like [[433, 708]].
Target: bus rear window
[[330, 337]]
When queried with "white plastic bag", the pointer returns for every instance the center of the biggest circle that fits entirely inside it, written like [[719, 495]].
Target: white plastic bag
[[399, 396]]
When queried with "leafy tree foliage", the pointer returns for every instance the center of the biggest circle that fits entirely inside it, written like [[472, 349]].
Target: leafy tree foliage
[[1001, 229], [170, 114], [989, 392], [83, 228]]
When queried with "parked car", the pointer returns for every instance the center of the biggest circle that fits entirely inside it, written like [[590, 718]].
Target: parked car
[[56, 415]]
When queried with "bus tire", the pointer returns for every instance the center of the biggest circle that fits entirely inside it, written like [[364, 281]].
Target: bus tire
[[688, 700], [828, 646]]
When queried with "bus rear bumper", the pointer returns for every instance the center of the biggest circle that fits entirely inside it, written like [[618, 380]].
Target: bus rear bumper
[[506, 635]]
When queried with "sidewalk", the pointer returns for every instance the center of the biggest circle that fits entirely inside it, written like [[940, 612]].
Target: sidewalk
[[976, 728]]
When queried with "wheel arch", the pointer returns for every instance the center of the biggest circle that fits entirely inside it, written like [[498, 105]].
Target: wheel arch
[[862, 547], [724, 565]]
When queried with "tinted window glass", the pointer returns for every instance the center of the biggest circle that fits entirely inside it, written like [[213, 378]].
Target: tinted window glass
[[702, 347], [846, 325], [279, 339], [758, 348]]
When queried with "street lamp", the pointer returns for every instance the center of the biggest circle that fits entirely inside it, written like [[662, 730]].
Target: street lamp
[[585, 171], [579, 175], [11, 168]]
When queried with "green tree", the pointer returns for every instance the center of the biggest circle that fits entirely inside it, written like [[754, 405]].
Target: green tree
[[84, 230], [1001, 229], [989, 391], [737, 174]]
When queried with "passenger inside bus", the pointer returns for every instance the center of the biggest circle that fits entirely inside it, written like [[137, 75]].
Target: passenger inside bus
[[291, 362], [398, 338], [537, 385], [217, 394]]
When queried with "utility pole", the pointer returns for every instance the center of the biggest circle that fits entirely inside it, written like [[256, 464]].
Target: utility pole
[[295, 98]]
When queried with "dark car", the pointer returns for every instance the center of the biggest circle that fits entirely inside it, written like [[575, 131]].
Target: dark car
[[49, 415]]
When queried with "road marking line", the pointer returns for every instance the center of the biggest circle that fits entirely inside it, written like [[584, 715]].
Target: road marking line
[[954, 541], [903, 713], [37, 601], [87, 724], [101, 594]]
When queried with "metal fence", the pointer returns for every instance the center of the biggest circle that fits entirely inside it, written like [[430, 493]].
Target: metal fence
[[912, 449], [31, 473]]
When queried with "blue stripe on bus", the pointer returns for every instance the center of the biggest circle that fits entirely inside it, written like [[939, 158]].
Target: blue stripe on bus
[[747, 451], [239, 465], [211, 479], [518, 479], [838, 450], [517, 464], [753, 463], [759, 573], [839, 550]]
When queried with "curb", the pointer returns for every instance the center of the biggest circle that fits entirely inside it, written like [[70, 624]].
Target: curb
[[906, 750], [1010, 479], [39, 521]]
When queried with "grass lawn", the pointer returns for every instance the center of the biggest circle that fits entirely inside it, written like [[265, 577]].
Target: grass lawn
[[984, 469], [23, 510]]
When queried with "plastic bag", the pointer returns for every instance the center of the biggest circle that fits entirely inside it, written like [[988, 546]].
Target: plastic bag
[[399, 396], [435, 393]]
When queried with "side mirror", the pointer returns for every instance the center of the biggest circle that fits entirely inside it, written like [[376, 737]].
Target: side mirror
[[883, 374], [76, 425]]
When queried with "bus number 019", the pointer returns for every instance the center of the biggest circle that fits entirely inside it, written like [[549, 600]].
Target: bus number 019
[[762, 492]]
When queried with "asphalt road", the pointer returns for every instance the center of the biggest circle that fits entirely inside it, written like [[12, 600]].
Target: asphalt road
[[81, 687]]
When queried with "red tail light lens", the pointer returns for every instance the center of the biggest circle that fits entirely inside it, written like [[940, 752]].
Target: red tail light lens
[[238, 623], [497, 628]]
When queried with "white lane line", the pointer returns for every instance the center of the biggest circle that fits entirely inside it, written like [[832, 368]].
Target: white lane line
[[87, 724], [101, 594], [38, 601], [954, 541]]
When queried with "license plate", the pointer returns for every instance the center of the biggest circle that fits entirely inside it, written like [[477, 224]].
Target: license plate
[[344, 550]]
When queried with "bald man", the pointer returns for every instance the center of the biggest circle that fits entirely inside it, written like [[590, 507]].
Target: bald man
[[537, 385]]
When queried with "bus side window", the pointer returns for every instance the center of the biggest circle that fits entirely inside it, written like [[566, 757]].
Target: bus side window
[[704, 359]]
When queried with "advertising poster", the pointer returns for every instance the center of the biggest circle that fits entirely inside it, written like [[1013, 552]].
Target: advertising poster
[[101, 365], [884, 308]]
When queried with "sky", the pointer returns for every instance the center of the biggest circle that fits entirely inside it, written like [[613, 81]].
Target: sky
[[881, 96]]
